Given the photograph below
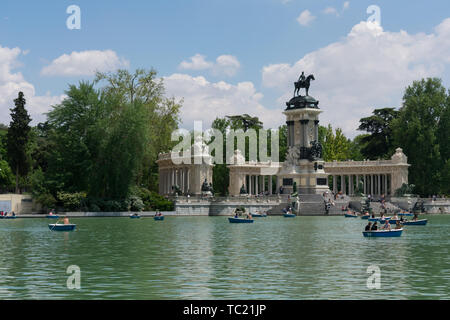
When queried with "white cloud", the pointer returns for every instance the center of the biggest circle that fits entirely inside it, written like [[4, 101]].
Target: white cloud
[[196, 62], [331, 10], [204, 100], [305, 18], [334, 11], [369, 68], [84, 63], [225, 64], [12, 82]]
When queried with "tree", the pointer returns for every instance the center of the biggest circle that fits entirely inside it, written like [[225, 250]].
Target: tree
[[335, 145], [162, 115], [416, 131], [378, 144], [17, 139], [356, 145], [103, 142]]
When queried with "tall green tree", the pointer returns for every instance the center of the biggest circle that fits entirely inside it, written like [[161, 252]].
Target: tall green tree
[[335, 145], [379, 142], [162, 114], [17, 139], [416, 131]]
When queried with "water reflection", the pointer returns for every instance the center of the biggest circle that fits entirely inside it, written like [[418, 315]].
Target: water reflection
[[209, 258]]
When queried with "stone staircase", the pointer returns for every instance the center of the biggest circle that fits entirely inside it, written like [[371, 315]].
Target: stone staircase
[[278, 209], [311, 204]]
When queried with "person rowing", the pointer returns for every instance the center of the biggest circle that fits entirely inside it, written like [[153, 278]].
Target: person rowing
[[374, 227], [369, 226], [387, 225], [66, 220]]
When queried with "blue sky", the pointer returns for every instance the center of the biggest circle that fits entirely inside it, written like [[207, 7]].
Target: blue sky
[[262, 44]]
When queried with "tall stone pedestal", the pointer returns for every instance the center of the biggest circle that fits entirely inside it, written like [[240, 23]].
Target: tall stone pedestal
[[304, 166]]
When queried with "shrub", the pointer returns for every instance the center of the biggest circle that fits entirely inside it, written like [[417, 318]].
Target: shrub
[[46, 200], [72, 201], [136, 203]]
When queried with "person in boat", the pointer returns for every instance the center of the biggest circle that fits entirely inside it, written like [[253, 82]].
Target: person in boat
[[387, 225], [236, 215], [374, 227], [373, 215], [13, 214], [395, 217], [398, 225], [369, 226], [249, 216], [415, 217], [66, 220]]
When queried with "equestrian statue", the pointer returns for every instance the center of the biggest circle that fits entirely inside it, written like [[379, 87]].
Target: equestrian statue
[[303, 82]]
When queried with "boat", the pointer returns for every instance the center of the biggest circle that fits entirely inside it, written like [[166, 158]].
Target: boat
[[406, 214], [348, 215], [289, 215], [421, 222], [379, 219], [383, 233], [8, 217], [240, 220], [52, 216], [61, 227], [259, 215], [158, 218], [365, 217], [134, 216]]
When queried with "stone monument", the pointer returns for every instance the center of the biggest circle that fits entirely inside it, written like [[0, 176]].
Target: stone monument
[[304, 164]]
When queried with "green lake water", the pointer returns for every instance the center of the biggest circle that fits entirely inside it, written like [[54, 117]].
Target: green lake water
[[209, 258]]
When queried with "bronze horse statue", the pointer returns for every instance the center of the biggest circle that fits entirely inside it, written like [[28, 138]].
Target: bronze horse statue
[[303, 84]]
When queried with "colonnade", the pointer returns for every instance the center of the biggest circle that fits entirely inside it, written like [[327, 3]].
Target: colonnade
[[176, 176], [256, 184], [374, 184]]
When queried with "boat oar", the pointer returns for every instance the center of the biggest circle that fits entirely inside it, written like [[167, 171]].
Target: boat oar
[[54, 225]]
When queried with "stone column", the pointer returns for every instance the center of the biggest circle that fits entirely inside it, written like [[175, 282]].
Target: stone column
[[350, 184], [304, 133], [365, 187], [342, 184], [250, 184], [385, 185], [257, 184], [379, 184], [334, 184], [277, 184], [316, 130], [269, 185]]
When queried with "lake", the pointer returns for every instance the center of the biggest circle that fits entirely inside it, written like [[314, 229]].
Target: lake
[[209, 258]]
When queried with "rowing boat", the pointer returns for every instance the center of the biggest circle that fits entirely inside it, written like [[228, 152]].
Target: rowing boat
[[289, 215], [421, 222], [158, 218], [383, 233], [240, 220], [258, 215], [408, 214], [348, 215], [61, 227]]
